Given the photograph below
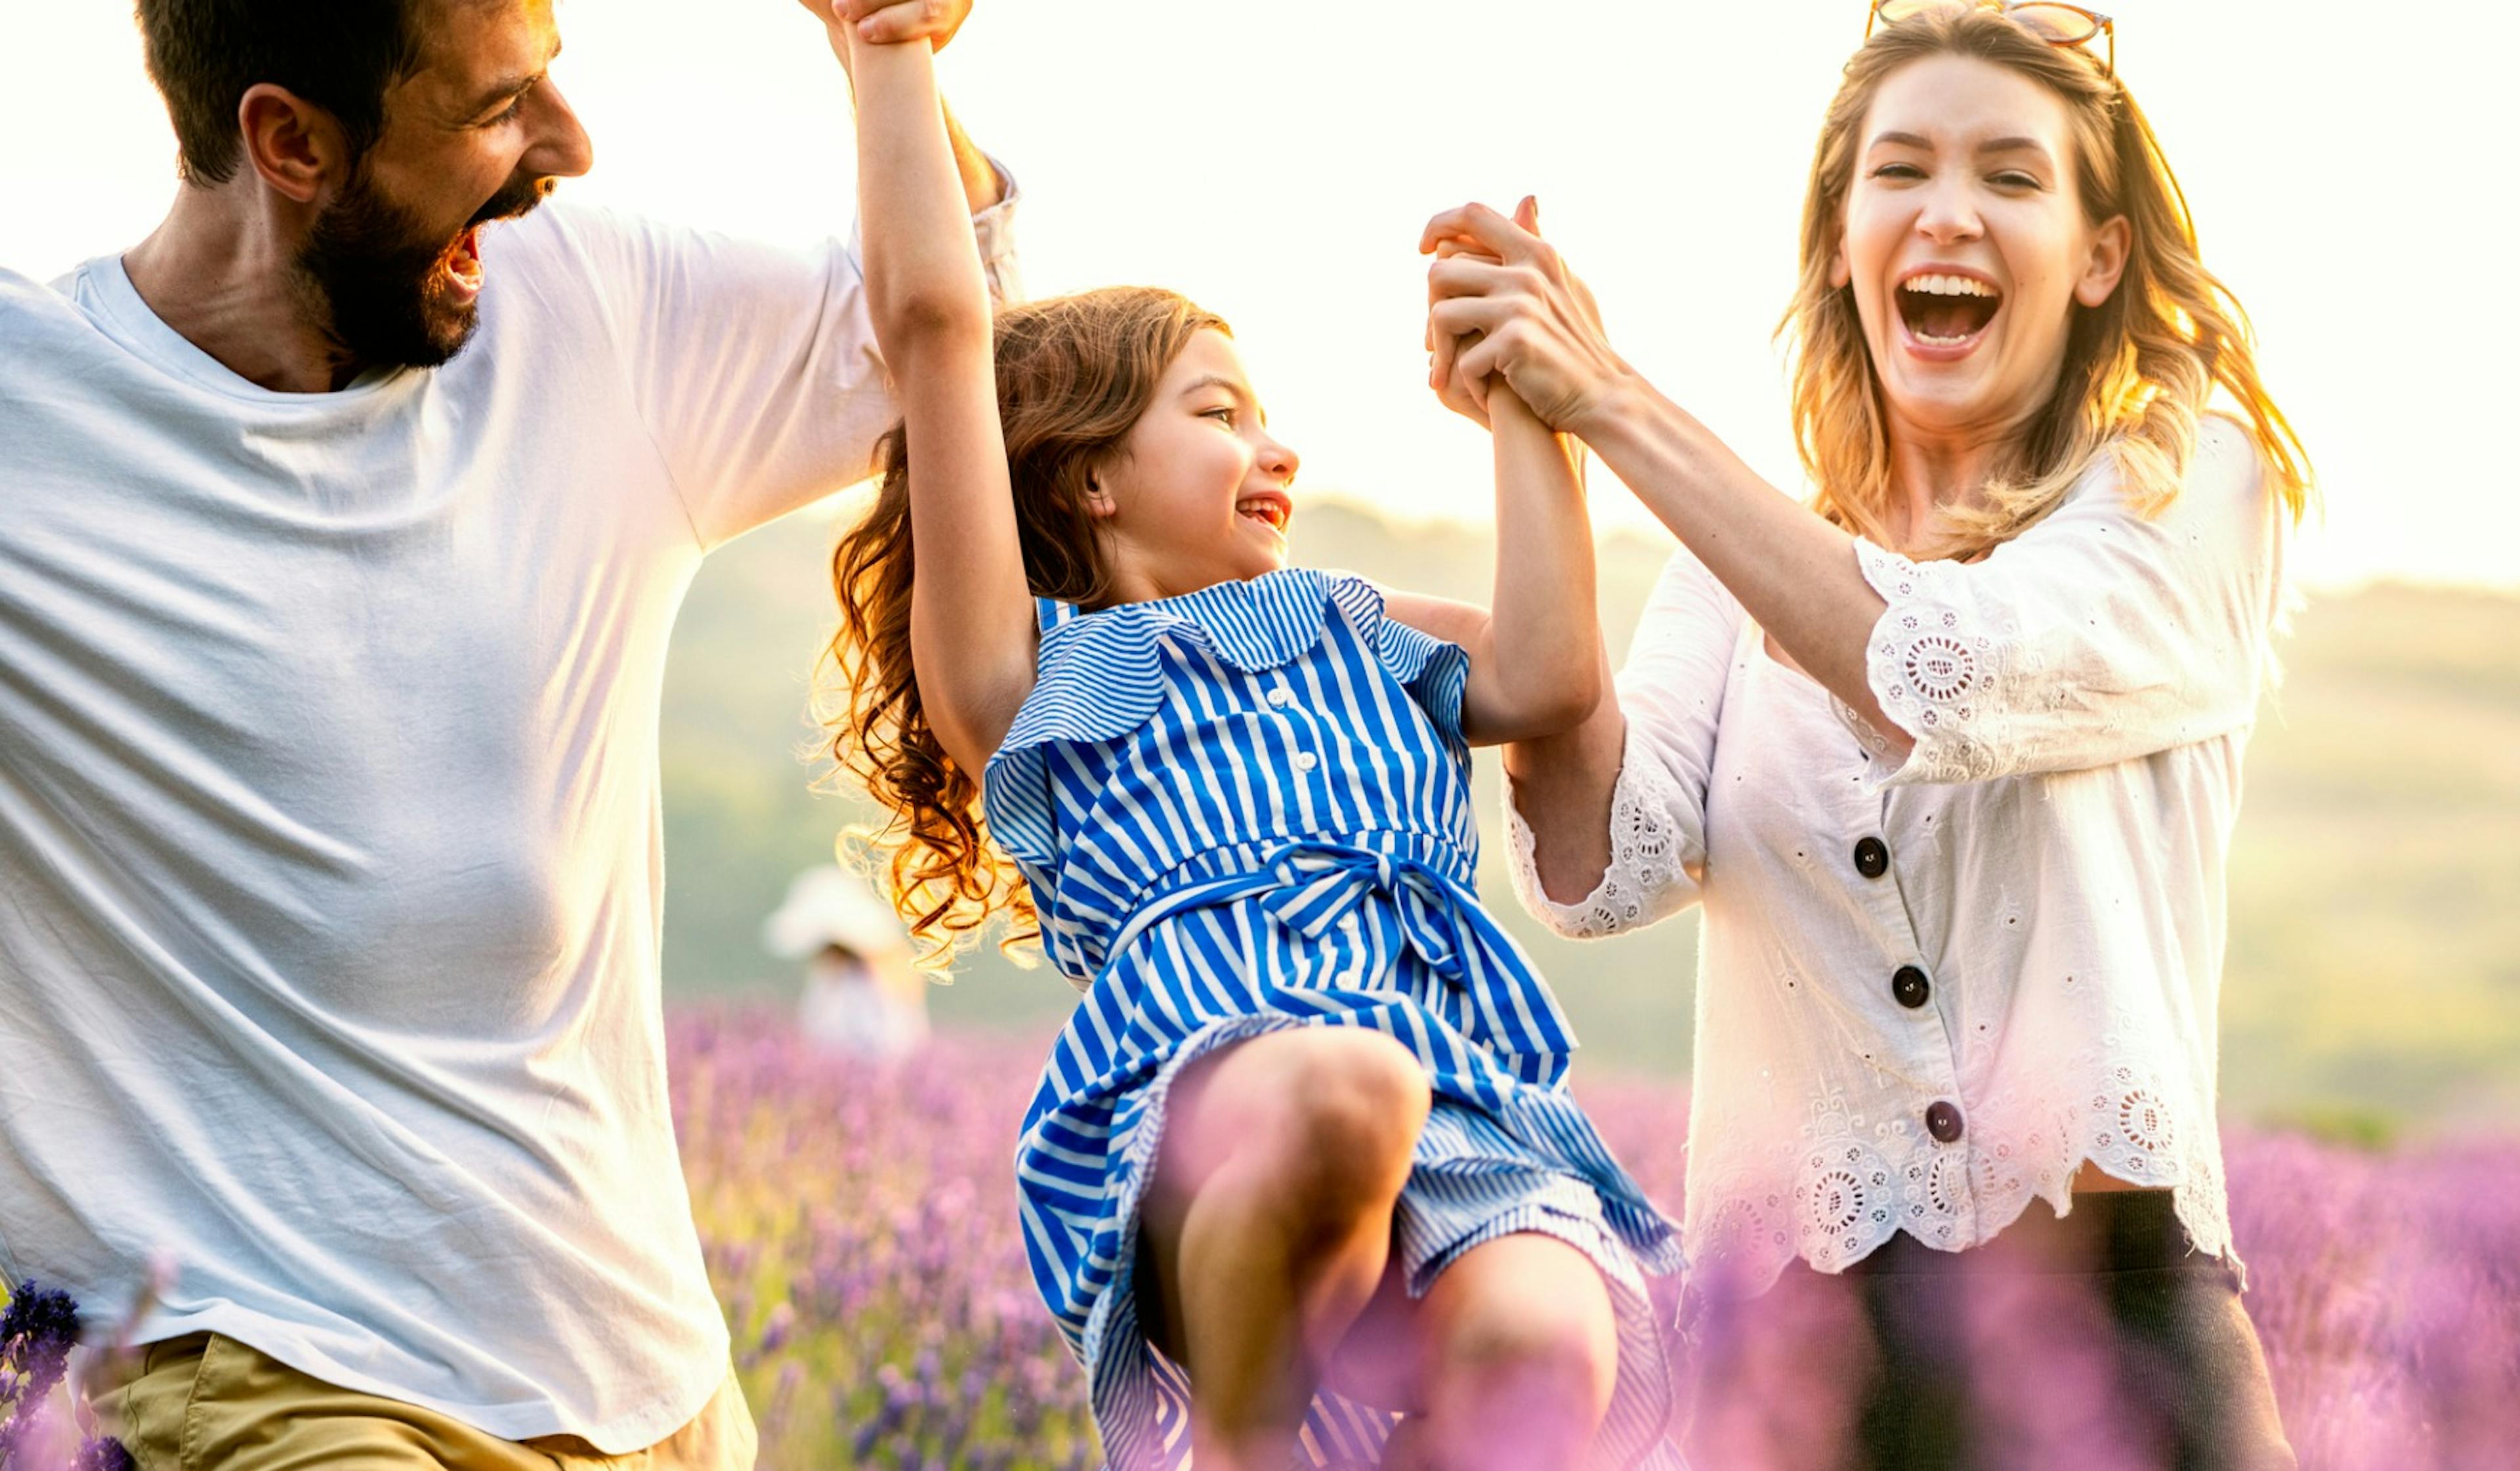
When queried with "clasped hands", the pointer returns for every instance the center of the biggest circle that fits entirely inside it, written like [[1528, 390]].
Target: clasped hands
[[889, 22], [1501, 304]]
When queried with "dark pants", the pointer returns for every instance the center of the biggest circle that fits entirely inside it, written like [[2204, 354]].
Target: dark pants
[[2099, 1342]]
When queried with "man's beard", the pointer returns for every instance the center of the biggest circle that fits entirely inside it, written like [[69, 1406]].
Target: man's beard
[[377, 273]]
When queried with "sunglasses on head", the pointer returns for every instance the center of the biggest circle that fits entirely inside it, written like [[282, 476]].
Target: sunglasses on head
[[2056, 24]]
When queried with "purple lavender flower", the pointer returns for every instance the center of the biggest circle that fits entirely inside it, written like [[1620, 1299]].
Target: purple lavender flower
[[36, 1335], [104, 1454], [777, 1327], [876, 1203], [37, 1332]]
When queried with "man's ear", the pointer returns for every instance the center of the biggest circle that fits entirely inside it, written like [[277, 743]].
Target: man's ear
[[296, 146]]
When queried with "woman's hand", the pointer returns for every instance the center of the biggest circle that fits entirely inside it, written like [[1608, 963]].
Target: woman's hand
[[1501, 301]]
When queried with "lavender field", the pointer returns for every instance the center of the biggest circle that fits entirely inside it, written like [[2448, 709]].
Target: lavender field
[[859, 1225]]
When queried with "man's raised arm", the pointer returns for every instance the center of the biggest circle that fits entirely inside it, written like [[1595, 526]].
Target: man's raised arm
[[753, 365], [885, 20]]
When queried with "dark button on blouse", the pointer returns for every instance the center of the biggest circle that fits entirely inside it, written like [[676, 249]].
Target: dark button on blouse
[[1871, 857], [1910, 987], [1943, 1121]]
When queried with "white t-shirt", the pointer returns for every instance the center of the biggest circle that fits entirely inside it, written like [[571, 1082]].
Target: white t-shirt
[[330, 864]]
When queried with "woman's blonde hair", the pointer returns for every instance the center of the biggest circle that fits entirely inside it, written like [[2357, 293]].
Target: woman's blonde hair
[[1075, 376], [2139, 369]]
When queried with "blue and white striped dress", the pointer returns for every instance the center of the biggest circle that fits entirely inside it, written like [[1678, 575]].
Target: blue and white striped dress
[[1246, 808]]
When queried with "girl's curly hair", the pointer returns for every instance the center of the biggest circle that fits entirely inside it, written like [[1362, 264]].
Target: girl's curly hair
[[1075, 376]]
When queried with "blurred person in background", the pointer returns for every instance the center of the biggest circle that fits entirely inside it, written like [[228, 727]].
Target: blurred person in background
[[347, 515], [1952, 757], [864, 995]]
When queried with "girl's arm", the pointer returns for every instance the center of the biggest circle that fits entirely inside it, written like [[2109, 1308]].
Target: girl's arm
[[1561, 782], [1538, 669], [1537, 666], [1536, 662], [1624, 795], [972, 629]]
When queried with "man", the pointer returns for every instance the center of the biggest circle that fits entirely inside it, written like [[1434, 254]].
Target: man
[[343, 523]]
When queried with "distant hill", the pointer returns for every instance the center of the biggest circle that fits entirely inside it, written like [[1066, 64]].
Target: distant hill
[[2374, 973]]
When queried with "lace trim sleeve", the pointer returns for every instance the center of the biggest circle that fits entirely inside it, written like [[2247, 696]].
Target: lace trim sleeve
[[1930, 662], [2108, 632], [1654, 857]]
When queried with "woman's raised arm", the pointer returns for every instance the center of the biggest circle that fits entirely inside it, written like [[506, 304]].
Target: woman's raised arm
[[1608, 822], [1531, 322], [1559, 787], [971, 627]]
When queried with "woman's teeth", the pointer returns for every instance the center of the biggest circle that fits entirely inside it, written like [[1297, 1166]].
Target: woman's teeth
[[1944, 310], [1947, 286]]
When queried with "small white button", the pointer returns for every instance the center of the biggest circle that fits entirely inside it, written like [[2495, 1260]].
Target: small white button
[[1281, 696], [1305, 760]]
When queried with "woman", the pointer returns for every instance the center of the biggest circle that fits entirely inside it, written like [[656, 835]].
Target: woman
[[1953, 765]]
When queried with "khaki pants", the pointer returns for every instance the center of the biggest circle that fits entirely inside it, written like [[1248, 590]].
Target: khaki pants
[[208, 1402]]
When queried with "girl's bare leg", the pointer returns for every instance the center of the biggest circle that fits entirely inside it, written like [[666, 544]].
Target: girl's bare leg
[[1268, 1224], [1508, 1362]]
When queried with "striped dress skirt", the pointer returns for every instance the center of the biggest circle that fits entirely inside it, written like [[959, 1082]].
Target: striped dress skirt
[[1247, 809]]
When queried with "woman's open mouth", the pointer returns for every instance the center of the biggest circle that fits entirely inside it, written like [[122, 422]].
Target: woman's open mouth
[[1945, 312]]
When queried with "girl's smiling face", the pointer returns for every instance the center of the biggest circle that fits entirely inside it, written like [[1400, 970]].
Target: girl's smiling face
[[1199, 492], [1966, 242]]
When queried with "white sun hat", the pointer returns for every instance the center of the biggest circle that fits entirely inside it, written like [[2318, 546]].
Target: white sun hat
[[827, 905]]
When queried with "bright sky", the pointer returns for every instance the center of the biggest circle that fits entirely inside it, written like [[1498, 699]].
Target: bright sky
[[1276, 160]]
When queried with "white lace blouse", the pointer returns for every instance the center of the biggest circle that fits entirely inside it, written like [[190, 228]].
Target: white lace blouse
[[1929, 989]]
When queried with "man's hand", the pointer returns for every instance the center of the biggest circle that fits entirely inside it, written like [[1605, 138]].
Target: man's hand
[[889, 22], [1501, 301]]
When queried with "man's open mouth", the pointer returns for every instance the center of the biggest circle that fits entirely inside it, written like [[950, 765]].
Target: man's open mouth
[[462, 262], [1271, 511], [1946, 310]]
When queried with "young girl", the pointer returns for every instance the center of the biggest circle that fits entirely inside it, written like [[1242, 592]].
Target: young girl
[[1302, 1173]]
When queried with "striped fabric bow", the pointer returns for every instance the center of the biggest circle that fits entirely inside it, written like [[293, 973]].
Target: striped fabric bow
[[1321, 884]]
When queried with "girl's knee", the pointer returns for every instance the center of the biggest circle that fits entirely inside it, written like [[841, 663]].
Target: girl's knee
[[1559, 1347], [1359, 1093], [1536, 1328], [1522, 1373], [1529, 1390], [1340, 1119]]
